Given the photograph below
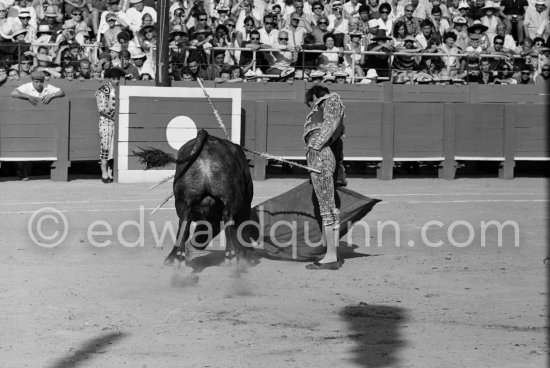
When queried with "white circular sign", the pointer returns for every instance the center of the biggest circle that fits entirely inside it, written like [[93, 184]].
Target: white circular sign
[[180, 130]]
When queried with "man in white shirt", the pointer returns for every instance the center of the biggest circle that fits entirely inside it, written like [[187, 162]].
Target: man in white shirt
[[295, 32], [136, 12], [35, 91], [268, 33], [351, 8], [535, 17]]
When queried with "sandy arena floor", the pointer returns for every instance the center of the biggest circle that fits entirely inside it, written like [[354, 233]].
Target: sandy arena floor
[[413, 305]]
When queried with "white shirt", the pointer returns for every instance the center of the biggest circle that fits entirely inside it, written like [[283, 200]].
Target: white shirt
[[533, 20], [269, 39], [134, 17], [341, 28], [29, 89]]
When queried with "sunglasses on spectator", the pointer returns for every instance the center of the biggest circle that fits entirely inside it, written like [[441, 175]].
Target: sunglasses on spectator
[[317, 8], [149, 31], [203, 19], [24, 17], [384, 12], [178, 14], [254, 38], [269, 23], [249, 25], [545, 69], [409, 11], [25, 63], [283, 39], [230, 25], [298, 7], [526, 73], [499, 43], [322, 22]]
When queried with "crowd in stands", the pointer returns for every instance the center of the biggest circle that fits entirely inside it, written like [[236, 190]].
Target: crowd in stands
[[359, 41]]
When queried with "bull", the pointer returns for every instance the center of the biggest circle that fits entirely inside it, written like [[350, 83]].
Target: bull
[[212, 188]]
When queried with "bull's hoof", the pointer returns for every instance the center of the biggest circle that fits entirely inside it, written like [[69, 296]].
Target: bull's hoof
[[179, 256]]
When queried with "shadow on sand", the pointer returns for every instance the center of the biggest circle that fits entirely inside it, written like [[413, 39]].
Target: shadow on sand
[[375, 329], [84, 353]]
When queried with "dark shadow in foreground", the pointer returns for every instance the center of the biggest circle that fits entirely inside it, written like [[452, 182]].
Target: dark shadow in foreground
[[376, 330], [84, 353]]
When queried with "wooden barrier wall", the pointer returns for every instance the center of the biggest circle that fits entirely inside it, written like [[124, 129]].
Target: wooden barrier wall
[[385, 123]]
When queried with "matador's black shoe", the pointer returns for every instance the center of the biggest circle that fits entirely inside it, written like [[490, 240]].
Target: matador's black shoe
[[341, 176]]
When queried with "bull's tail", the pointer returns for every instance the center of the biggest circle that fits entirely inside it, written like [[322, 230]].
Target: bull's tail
[[154, 157], [202, 136]]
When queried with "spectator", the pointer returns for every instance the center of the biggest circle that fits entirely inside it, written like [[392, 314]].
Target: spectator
[[525, 76], [282, 59], [115, 27], [427, 39], [351, 8], [412, 23], [245, 14], [476, 12], [479, 29], [135, 13], [222, 14], [84, 70], [295, 31], [498, 48], [140, 62], [404, 65], [25, 8], [329, 61], [464, 9], [509, 42], [420, 10], [45, 65], [68, 72], [195, 68], [130, 70], [78, 19], [26, 25], [268, 33], [544, 76], [246, 58], [308, 61], [13, 74], [374, 6], [452, 9], [439, 4], [121, 20], [52, 19], [486, 76], [364, 16], [68, 33], [386, 22], [339, 25], [380, 63], [505, 75], [513, 12], [356, 60], [24, 66], [3, 74], [536, 16], [452, 62], [37, 91], [374, 26], [490, 20], [213, 70], [249, 26], [399, 34], [304, 20], [320, 30], [318, 12], [461, 34], [316, 76], [441, 25], [225, 75]]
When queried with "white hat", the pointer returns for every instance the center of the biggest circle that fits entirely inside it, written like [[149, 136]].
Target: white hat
[[489, 5], [138, 55], [287, 72], [459, 20], [116, 47], [69, 24], [24, 13], [44, 28], [540, 2], [341, 74], [5, 31], [135, 1], [316, 74], [42, 57], [371, 74], [18, 32], [50, 12], [463, 4]]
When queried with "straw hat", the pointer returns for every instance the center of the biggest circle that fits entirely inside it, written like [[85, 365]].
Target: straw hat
[[459, 20], [490, 5], [69, 24], [316, 74], [18, 32], [44, 28], [287, 72], [380, 35], [477, 25]]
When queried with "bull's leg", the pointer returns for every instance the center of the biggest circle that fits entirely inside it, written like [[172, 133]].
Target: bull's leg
[[235, 252], [178, 252]]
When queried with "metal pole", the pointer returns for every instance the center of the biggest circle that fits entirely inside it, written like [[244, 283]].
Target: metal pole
[[162, 77]]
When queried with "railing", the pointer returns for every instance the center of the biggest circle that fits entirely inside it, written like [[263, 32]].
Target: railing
[[353, 77]]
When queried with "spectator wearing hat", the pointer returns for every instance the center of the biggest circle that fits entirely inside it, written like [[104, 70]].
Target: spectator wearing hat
[[536, 17], [477, 28], [353, 27], [143, 67], [412, 23], [68, 33], [25, 7], [380, 63], [220, 14], [355, 61], [288, 75], [43, 36], [316, 76], [374, 26], [23, 22], [513, 12], [147, 37], [52, 16], [470, 71], [135, 13], [459, 29], [338, 25], [340, 77], [490, 20], [121, 19], [464, 10]]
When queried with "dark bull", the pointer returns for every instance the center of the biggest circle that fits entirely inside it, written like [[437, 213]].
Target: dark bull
[[212, 184]]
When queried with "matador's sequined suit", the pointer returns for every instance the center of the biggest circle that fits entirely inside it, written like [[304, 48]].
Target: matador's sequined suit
[[105, 98], [323, 129]]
